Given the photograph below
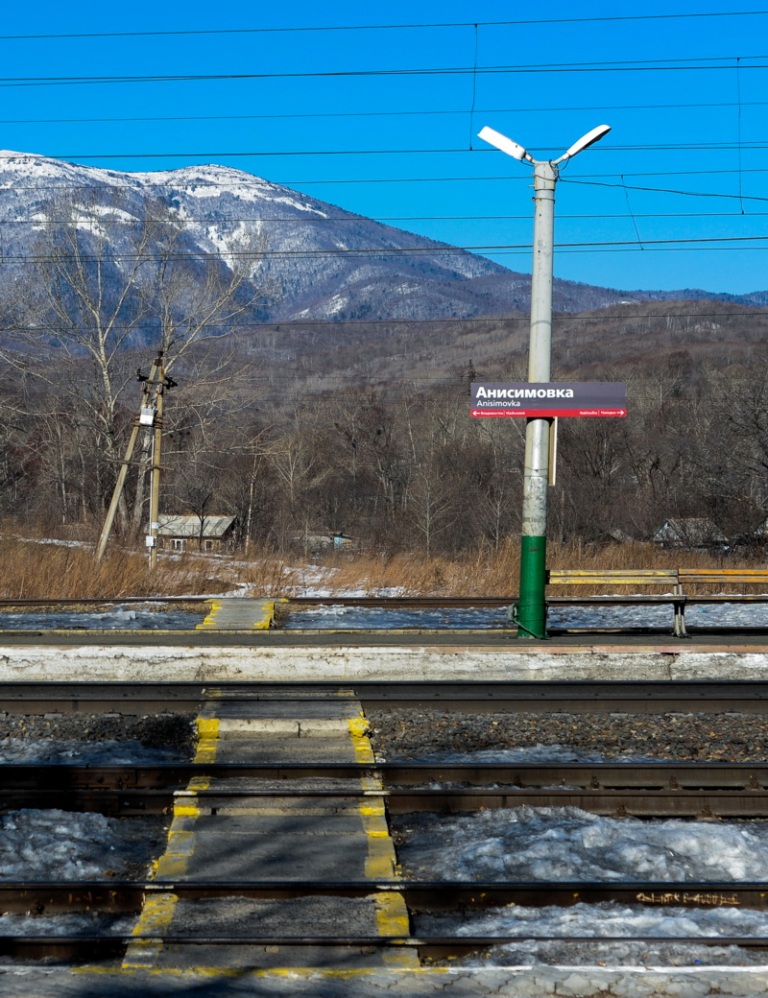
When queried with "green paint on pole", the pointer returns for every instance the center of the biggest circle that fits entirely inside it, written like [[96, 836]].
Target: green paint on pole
[[531, 607]]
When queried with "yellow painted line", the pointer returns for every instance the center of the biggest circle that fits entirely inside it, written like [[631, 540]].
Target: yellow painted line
[[358, 732], [155, 919], [392, 914], [270, 612], [265, 622], [210, 620], [207, 739], [159, 908], [381, 860]]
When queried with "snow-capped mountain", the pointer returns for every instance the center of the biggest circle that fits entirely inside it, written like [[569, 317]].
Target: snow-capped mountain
[[312, 259], [304, 258]]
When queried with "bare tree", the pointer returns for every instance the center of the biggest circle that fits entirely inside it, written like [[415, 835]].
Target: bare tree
[[108, 278]]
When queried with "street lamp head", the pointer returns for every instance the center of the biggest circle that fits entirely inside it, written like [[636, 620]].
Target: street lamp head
[[586, 140], [515, 150], [504, 144]]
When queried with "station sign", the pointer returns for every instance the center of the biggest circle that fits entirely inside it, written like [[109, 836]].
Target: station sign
[[557, 398]]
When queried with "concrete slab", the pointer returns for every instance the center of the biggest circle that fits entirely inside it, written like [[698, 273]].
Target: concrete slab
[[225, 827], [160, 663], [296, 712], [295, 857], [280, 839], [288, 750], [452, 982], [243, 917], [240, 615]]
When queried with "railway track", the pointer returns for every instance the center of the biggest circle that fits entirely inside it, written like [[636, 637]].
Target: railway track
[[744, 696], [715, 790], [212, 787]]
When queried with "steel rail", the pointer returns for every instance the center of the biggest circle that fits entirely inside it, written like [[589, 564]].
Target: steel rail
[[92, 946], [636, 804], [618, 789], [400, 602], [118, 896], [470, 697], [673, 776]]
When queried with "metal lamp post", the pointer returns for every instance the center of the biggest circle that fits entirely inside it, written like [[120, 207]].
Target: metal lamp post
[[531, 613]]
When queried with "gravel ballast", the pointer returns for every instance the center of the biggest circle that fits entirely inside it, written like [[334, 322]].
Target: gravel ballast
[[399, 734]]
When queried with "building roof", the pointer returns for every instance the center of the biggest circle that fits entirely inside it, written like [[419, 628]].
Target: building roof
[[691, 530], [192, 525]]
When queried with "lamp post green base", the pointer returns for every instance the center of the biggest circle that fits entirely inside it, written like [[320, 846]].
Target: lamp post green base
[[532, 607]]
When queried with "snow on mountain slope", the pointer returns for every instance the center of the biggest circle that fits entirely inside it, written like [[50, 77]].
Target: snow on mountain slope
[[317, 260]]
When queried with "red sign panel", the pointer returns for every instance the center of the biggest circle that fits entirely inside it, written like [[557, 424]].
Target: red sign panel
[[558, 398]]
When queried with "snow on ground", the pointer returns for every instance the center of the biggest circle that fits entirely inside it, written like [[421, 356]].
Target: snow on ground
[[64, 845], [100, 753], [330, 616], [115, 619], [534, 754], [335, 616], [568, 844], [74, 924], [530, 844], [552, 925]]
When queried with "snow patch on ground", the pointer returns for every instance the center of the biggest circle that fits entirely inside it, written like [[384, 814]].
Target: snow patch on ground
[[102, 753], [64, 845], [568, 844]]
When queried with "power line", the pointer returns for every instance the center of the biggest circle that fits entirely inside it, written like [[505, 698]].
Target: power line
[[379, 114], [367, 252], [248, 180], [755, 145], [720, 63], [661, 190], [297, 326], [381, 219], [381, 27]]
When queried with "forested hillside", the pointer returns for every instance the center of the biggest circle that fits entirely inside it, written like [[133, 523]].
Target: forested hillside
[[365, 429]]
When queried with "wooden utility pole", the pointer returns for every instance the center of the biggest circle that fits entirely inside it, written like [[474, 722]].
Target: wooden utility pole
[[154, 482], [150, 418]]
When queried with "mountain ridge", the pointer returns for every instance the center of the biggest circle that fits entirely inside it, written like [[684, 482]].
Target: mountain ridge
[[317, 260]]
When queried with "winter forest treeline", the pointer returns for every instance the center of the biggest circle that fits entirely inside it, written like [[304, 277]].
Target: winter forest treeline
[[395, 469], [363, 429]]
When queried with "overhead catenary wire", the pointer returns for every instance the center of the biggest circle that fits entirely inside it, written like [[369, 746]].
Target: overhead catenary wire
[[245, 180], [294, 326], [436, 250], [450, 64], [431, 25], [383, 219], [404, 113], [756, 145], [694, 64]]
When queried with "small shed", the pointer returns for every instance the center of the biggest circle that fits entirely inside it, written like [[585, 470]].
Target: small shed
[[191, 532], [690, 532], [317, 543]]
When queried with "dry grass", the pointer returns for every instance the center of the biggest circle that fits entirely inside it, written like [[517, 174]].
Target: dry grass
[[41, 570], [35, 570], [494, 572]]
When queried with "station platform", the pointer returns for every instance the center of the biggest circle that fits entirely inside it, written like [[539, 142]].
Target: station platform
[[153, 657]]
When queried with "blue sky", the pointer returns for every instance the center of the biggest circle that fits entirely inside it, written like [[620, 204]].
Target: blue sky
[[674, 197]]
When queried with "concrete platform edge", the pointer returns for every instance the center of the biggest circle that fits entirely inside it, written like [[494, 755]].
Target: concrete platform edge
[[149, 663], [517, 981]]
